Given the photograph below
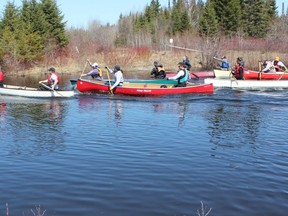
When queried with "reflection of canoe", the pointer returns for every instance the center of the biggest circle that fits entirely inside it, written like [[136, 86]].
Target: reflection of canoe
[[33, 92], [222, 74], [265, 76], [247, 84], [143, 89]]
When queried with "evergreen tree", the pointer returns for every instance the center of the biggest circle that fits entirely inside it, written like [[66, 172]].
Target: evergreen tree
[[8, 32], [55, 31], [180, 21], [228, 14], [30, 41], [255, 24], [209, 25]]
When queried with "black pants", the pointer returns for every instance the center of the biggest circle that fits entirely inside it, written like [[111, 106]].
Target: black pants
[[181, 84]]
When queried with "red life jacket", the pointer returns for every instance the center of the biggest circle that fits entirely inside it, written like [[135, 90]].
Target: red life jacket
[[237, 71], [277, 67], [1, 76], [58, 78]]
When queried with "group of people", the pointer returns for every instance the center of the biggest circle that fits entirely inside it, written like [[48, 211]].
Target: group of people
[[273, 66], [158, 72], [238, 71]]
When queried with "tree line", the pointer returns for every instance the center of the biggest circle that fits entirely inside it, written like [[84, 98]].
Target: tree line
[[31, 32], [37, 29]]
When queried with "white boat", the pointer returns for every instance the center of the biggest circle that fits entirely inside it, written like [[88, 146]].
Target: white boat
[[247, 84], [222, 74], [24, 91]]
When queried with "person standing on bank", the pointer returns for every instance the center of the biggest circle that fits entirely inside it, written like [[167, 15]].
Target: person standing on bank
[[182, 76], [1, 78], [118, 76], [52, 81]]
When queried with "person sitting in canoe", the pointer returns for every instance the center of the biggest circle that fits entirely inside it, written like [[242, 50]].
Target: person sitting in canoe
[[279, 66], [1, 78], [187, 63], [118, 76], [268, 67], [158, 72], [223, 63], [52, 81], [96, 72], [182, 76], [238, 71]]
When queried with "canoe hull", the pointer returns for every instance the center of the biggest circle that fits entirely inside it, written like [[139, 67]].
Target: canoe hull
[[33, 92], [248, 84], [248, 75], [143, 89], [222, 74]]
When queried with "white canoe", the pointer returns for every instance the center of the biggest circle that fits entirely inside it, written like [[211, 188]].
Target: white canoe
[[222, 74], [247, 84], [23, 91]]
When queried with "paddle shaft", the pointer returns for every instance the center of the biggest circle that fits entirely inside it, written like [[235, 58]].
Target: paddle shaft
[[234, 78], [84, 68], [50, 88], [108, 76]]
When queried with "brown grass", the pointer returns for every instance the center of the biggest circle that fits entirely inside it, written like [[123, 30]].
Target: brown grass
[[141, 59]]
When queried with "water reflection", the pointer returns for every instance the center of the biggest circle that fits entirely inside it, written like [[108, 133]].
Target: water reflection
[[232, 126], [118, 105], [3, 113], [179, 107], [40, 124]]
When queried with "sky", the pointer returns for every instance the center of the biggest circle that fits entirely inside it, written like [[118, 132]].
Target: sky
[[79, 14]]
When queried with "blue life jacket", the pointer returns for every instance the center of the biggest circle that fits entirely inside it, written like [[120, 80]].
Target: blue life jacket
[[225, 65], [185, 77]]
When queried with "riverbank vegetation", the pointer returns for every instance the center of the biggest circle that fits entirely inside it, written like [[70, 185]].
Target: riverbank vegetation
[[35, 36]]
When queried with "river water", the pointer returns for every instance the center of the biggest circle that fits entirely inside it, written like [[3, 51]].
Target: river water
[[115, 155]]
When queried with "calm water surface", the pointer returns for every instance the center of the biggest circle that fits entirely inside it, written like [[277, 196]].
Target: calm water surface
[[113, 155]]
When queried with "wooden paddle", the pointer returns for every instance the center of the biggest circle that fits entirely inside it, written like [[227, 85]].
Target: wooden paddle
[[233, 76], [108, 76], [260, 70], [50, 88], [284, 71], [84, 68], [197, 77]]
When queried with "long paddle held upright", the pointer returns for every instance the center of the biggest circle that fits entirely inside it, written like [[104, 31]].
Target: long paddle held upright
[[108, 76]]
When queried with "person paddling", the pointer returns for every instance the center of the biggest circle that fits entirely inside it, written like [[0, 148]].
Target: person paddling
[[1, 78], [52, 81], [182, 76], [96, 72], [118, 76]]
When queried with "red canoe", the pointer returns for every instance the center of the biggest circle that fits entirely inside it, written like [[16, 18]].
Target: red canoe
[[142, 89], [248, 75]]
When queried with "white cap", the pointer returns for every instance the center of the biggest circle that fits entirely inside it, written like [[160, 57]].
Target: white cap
[[94, 65]]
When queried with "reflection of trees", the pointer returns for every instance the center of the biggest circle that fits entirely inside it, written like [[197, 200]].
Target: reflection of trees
[[41, 125], [230, 124]]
